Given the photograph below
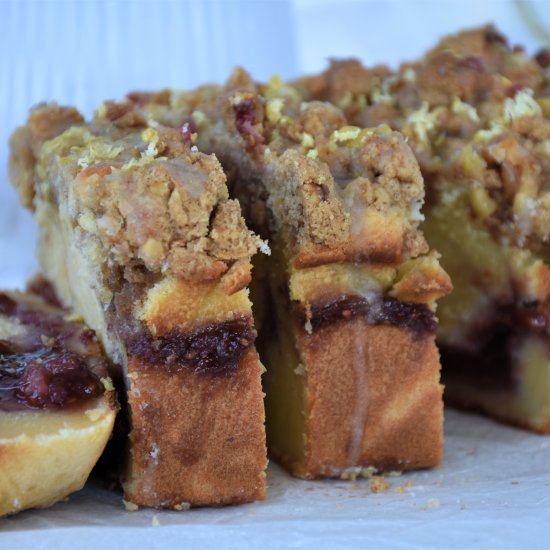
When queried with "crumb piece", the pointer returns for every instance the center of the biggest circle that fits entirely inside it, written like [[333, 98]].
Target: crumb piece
[[369, 471], [107, 384], [300, 371], [263, 246], [378, 484], [394, 473], [155, 521], [409, 483], [400, 489], [433, 503], [47, 341], [182, 507], [130, 506]]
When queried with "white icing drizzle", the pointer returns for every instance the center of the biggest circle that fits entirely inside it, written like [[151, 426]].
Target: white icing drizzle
[[359, 418]]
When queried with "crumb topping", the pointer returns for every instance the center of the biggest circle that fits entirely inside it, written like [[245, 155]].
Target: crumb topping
[[140, 193], [476, 114], [336, 192]]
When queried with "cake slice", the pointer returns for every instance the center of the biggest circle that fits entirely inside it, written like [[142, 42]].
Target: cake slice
[[476, 113], [57, 404], [490, 217], [352, 380], [137, 235]]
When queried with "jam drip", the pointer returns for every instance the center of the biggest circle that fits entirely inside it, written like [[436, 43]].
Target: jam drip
[[415, 317], [214, 349]]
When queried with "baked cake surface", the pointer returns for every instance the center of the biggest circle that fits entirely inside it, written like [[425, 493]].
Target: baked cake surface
[[352, 376], [138, 235], [475, 112], [57, 404]]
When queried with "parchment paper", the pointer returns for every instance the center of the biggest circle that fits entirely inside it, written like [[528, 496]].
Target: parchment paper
[[492, 491]]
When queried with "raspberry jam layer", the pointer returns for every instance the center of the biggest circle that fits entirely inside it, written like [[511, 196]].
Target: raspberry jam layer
[[487, 360], [51, 366], [210, 350], [416, 317]]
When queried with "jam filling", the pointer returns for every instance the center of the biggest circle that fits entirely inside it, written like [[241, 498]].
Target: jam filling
[[47, 378], [48, 367], [245, 119], [214, 349], [416, 317], [491, 364]]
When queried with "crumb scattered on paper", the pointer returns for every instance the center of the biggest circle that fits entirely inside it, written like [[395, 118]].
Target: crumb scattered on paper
[[378, 484], [130, 506]]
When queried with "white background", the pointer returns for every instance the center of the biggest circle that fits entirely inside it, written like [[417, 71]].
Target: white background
[[493, 488]]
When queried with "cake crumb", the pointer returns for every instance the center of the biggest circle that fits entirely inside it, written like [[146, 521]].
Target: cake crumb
[[433, 503], [130, 506], [378, 484], [182, 506], [50, 342], [107, 383], [155, 521]]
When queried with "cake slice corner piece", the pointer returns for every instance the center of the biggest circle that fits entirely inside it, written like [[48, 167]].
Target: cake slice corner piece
[[57, 403]]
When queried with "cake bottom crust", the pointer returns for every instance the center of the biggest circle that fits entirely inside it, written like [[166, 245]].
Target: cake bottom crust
[[372, 399]]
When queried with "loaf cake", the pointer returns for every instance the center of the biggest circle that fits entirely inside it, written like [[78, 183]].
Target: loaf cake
[[476, 113], [138, 236], [347, 327], [57, 405]]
